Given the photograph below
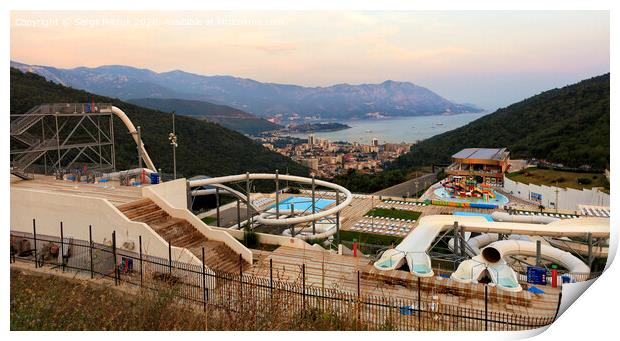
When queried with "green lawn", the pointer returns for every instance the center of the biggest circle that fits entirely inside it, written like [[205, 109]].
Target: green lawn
[[551, 177], [209, 220], [369, 238], [394, 213]]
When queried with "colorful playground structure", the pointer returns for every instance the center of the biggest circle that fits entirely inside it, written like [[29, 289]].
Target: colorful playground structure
[[468, 189]]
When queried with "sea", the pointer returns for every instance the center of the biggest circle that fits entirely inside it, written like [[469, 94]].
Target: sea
[[397, 129]]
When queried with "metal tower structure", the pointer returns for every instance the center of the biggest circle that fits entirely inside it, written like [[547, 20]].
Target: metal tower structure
[[52, 138]]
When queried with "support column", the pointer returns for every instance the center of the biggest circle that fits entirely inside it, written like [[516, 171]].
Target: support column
[[455, 246], [248, 224], [462, 238], [337, 219], [277, 196], [139, 149], [590, 254], [238, 214], [217, 206], [538, 259], [313, 206]]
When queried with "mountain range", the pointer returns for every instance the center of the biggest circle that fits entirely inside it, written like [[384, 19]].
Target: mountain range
[[204, 147], [224, 115], [568, 125], [341, 101]]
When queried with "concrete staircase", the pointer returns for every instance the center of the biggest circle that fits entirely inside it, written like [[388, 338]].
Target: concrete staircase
[[180, 233]]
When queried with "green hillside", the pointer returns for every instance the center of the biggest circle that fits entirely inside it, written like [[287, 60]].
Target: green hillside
[[204, 148], [224, 115], [568, 125]]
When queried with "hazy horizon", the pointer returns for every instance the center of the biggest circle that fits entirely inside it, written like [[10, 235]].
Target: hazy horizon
[[490, 59]]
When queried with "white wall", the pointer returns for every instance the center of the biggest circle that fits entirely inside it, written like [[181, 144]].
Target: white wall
[[266, 238], [77, 213], [568, 198]]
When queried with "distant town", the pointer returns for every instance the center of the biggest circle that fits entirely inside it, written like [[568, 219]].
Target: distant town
[[328, 158]]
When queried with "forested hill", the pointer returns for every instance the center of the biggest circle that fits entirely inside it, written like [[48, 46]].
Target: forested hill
[[229, 117], [569, 125], [204, 148]]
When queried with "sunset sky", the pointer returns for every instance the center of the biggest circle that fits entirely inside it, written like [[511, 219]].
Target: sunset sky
[[490, 59]]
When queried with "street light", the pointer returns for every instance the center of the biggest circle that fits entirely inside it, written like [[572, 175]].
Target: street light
[[172, 137]]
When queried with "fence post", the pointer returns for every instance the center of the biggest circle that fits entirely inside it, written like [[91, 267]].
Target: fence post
[[114, 255], [140, 248], [486, 307], [204, 282], [62, 248], [34, 233], [420, 305], [557, 310], [359, 305], [90, 250], [170, 259], [303, 288], [241, 277], [271, 276]]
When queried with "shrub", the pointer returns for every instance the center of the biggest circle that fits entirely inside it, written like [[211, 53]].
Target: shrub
[[250, 239], [584, 181]]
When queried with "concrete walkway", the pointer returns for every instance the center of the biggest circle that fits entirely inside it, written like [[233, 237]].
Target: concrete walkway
[[409, 187]]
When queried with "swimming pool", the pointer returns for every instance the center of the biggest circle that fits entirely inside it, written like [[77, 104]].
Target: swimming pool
[[499, 199], [488, 217], [302, 204]]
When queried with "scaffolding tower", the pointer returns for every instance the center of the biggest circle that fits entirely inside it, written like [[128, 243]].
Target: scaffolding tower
[[55, 138]]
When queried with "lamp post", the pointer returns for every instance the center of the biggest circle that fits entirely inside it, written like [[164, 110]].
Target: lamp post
[[173, 142]]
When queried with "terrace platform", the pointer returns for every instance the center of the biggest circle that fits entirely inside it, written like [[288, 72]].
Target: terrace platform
[[112, 191], [328, 270]]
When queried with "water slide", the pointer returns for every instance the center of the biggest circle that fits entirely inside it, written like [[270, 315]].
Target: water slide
[[134, 133], [324, 229], [522, 218], [267, 218], [414, 247]]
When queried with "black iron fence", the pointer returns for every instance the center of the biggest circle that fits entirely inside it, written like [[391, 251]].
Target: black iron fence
[[262, 296]]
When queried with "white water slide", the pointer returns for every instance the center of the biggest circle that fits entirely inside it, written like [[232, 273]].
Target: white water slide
[[134, 133], [267, 218], [413, 249]]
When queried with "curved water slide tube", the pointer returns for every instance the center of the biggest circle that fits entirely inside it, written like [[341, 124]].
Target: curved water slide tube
[[266, 218], [199, 192], [129, 172], [414, 247], [475, 244], [134, 133], [492, 261], [521, 218], [324, 230]]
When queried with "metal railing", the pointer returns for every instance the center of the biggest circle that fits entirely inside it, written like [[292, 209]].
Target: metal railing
[[239, 292]]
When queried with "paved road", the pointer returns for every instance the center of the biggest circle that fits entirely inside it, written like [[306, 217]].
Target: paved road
[[409, 187]]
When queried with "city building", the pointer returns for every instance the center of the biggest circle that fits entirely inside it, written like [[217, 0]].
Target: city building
[[484, 165]]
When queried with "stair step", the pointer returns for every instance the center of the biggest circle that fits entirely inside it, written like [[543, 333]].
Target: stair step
[[180, 233], [141, 211], [130, 205]]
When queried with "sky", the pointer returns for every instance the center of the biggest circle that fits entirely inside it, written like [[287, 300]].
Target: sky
[[490, 59]]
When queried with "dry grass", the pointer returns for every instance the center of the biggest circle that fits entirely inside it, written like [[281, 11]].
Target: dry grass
[[48, 302]]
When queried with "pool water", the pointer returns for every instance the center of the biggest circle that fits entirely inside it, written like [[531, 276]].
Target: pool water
[[303, 204], [488, 217], [388, 263], [499, 199]]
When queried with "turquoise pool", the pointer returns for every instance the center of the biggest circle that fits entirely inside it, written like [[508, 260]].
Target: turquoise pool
[[303, 204], [499, 199], [488, 217]]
